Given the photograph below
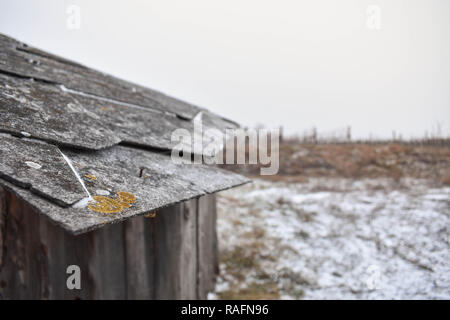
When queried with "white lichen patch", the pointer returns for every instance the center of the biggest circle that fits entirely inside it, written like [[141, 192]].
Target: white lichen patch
[[83, 203], [33, 165], [102, 192]]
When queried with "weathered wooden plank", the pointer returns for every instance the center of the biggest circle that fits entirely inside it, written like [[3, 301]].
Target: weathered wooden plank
[[208, 262], [188, 250], [37, 257], [167, 241], [38, 254], [63, 250], [2, 221], [139, 255], [164, 264], [107, 263], [175, 247], [24, 272], [99, 255], [53, 243], [144, 258]]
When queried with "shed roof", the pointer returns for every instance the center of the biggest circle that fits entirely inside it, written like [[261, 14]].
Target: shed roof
[[70, 132]]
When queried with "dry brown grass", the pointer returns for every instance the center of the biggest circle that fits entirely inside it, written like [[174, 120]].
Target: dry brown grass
[[299, 161], [246, 259], [255, 291], [446, 180]]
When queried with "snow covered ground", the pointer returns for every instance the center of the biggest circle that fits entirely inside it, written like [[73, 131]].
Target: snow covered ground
[[335, 238]]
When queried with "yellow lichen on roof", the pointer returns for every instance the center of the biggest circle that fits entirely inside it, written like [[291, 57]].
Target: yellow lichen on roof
[[104, 204]]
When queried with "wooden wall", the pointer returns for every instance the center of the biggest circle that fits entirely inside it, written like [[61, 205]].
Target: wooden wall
[[171, 256]]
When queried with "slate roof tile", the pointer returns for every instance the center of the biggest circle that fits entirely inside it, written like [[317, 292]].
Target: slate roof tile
[[151, 177], [19, 58], [86, 149]]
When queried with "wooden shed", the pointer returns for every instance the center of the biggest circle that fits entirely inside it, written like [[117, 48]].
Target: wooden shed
[[87, 183]]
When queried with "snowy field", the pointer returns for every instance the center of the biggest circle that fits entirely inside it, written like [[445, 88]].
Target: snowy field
[[334, 239]]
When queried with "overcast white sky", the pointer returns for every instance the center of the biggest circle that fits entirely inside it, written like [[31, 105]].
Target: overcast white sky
[[293, 63]]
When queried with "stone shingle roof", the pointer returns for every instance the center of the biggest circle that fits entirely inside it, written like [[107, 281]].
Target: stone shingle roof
[[70, 132]]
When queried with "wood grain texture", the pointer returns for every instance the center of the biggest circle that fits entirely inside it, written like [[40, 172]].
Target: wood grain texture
[[175, 248], [2, 221], [208, 259], [141, 258]]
